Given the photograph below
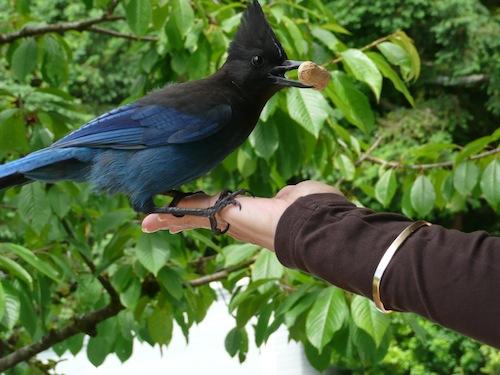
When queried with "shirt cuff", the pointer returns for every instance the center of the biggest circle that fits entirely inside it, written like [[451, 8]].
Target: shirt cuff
[[294, 217]]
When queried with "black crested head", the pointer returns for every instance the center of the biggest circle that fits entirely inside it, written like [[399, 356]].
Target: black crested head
[[256, 35], [256, 59]]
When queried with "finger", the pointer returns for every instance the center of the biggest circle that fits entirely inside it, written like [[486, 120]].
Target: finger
[[155, 222]]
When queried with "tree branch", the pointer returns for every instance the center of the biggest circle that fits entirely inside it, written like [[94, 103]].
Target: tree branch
[[470, 80], [88, 321], [80, 324], [364, 48], [220, 275], [60, 27], [419, 167], [100, 30]]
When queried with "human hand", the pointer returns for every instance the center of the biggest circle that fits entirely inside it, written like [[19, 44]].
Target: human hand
[[256, 222]]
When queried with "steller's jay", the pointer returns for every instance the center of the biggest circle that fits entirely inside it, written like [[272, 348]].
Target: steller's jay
[[173, 135]]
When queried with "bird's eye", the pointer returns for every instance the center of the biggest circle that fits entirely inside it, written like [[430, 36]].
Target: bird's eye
[[257, 61]]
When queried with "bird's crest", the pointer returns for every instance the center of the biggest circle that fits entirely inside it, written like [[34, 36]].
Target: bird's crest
[[255, 33]]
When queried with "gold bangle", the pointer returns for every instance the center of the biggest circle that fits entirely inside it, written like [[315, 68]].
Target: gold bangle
[[386, 259]]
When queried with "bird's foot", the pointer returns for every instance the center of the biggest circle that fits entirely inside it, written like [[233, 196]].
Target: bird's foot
[[178, 196], [226, 198]]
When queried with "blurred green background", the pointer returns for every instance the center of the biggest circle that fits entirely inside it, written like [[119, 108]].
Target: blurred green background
[[410, 123]]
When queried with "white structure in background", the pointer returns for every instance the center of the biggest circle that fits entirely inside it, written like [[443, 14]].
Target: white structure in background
[[205, 354]]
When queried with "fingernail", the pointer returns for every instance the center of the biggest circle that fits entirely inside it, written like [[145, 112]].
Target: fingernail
[[149, 231], [162, 218]]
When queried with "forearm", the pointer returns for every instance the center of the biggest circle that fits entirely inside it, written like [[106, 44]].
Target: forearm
[[447, 276]]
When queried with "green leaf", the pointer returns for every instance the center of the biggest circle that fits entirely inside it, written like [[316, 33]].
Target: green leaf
[[183, 15], [172, 282], [24, 58], [366, 317], [390, 74], [261, 328], [423, 195], [394, 53], [266, 266], [130, 296], [12, 307], [270, 108], [246, 162], [465, 177], [490, 183], [237, 342], [353, 104], [297, 38], [16, 270], [328, 39], [96, 351], [124, 348], [54, 65], [402, 40], [265, 139], [326, 316], [309, 108], [12, 131], [346, 166], [160, 325], [473, 147], [33, 205], [153, 250], [2, 301], [235, 254], [139, 15], [60, 201], [31, 259], [386, 187], [363, 69]]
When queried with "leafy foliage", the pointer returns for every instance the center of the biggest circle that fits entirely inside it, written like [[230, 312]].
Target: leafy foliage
[[66, 252]]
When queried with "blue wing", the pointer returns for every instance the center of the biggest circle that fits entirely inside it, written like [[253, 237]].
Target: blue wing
[[134, 127]]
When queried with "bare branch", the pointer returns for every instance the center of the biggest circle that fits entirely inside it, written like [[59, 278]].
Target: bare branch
[[419, 167], [364, 48], [57, 28], [220, 275], [79, 325], [470, 80], [100, 30]]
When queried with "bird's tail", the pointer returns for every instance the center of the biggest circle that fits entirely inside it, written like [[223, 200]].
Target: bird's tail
[[49, 165]]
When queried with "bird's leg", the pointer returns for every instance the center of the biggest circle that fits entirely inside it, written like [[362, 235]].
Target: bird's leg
[[225, 199]]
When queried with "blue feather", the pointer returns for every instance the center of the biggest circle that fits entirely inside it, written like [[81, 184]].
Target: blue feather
[[135, 127]]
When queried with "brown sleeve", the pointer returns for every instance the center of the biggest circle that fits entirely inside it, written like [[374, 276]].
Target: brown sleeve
[[450, 277]]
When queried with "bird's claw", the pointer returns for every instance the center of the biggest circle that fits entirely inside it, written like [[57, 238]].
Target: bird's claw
[[177, 197], [226, 198]]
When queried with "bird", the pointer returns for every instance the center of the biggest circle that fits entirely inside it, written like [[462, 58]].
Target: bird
[[173, 135]]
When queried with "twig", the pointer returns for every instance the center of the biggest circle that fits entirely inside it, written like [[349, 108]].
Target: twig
[[58, 27], [220, 275], [100, 30], [364, 156], [364, 48], [7, 207], [444, 164], [369, 151]]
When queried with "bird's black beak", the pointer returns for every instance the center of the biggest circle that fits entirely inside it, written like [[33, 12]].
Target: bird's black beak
[[277, 75]]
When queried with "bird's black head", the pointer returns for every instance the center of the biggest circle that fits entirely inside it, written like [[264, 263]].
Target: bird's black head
[[257, 61]]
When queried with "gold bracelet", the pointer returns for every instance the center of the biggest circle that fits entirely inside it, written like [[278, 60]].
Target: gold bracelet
[[386, 259]]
